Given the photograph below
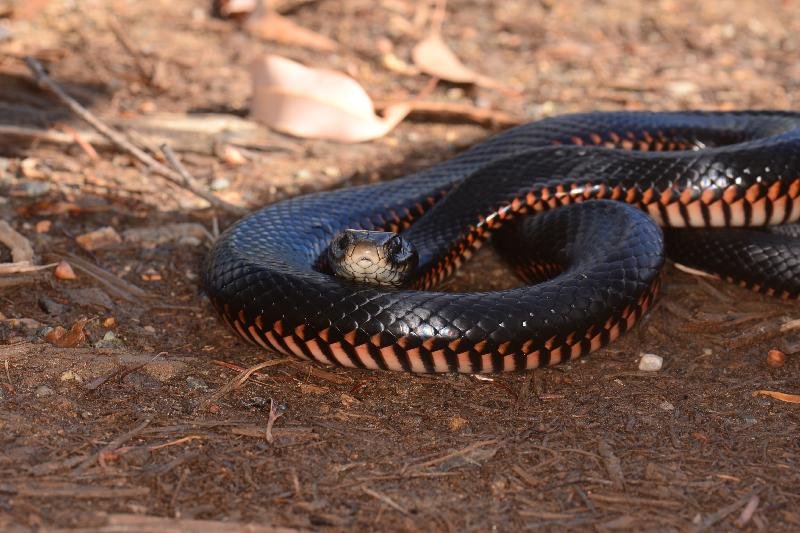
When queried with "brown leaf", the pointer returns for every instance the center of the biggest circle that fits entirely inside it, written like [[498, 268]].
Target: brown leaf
[[62, 338], [269, 25], [432, 56], [782, 396], [317, 103]]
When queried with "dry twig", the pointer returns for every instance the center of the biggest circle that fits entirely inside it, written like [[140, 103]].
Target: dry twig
[[183, 181], [235, 383], [113, 445], [385, 499]]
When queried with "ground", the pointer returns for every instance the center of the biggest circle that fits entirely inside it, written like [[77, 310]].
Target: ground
[[147, 426]]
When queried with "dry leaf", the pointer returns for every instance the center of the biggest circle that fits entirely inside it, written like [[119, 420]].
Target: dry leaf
[[62, 338], [266, 24], [317, 103], [782, 396], [434, 57]]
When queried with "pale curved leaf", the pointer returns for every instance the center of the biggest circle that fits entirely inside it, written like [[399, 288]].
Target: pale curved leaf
[[316, 103], [432, 56]]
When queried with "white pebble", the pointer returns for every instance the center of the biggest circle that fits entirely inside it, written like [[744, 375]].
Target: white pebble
[[650, 362]]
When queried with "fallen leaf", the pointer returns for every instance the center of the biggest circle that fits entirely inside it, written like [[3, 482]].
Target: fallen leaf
[[62, 338], [782, 396], [317, 103], [266, 24], [432, 56]]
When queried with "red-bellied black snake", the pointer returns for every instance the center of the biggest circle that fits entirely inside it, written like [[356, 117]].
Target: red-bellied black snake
[[599, 261]]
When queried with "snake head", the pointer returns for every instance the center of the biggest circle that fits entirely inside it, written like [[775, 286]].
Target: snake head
[[376, 257]]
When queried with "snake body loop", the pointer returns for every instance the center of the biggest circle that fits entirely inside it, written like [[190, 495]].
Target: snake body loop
[[599, 261]]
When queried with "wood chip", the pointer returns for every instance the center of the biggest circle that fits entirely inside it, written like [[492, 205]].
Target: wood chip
[[99, 239], [20, 246]]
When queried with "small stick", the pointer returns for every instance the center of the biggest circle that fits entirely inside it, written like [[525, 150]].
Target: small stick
[[185, 182], [145, 73], [113, 445], [235, 383], [385, 499], [274, 414]]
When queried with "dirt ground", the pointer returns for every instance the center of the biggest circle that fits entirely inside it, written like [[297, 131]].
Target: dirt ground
[[146, 428]]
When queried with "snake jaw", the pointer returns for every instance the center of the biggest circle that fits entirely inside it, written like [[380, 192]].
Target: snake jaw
[[375, 257]]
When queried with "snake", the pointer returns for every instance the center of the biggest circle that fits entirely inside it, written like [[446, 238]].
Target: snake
[[580, 205]]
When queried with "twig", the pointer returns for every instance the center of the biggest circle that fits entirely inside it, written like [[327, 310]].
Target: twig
[[631, 501], [612, 464], [76, 492], [235, 383], [457, 111], [115, 285], [21, 249], [438, 16], [720, 514], [747, 512], [23, 267], [385, 499], [145, 73], [8, 374], [319, 373], [113, 445], [185, 182], [274, 414]]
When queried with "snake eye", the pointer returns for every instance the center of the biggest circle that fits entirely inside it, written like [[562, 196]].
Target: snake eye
[[395, 245]]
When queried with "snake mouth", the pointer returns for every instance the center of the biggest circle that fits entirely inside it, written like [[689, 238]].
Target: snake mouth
[[375, 257]]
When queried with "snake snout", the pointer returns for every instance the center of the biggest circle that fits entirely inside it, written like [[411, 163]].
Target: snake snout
[[377, 257]]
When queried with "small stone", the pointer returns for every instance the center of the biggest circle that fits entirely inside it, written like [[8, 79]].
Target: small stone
[[70, 375], [455, 93], [32, 189], [99, 239], [303, 174], [42, 391], [651, 362], [140, 380], [776, 358], [457, 423], [256, 401], [90, 296], [63, 271], [196, 384], [219, 184], [149, 329], [332, 172], [43, 226], [233, 156], [151, 274], [349, 399], [109, 340], [666, 406], [109, 322], [51, 307], [27, 325], [682, 88], [148, 106]]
